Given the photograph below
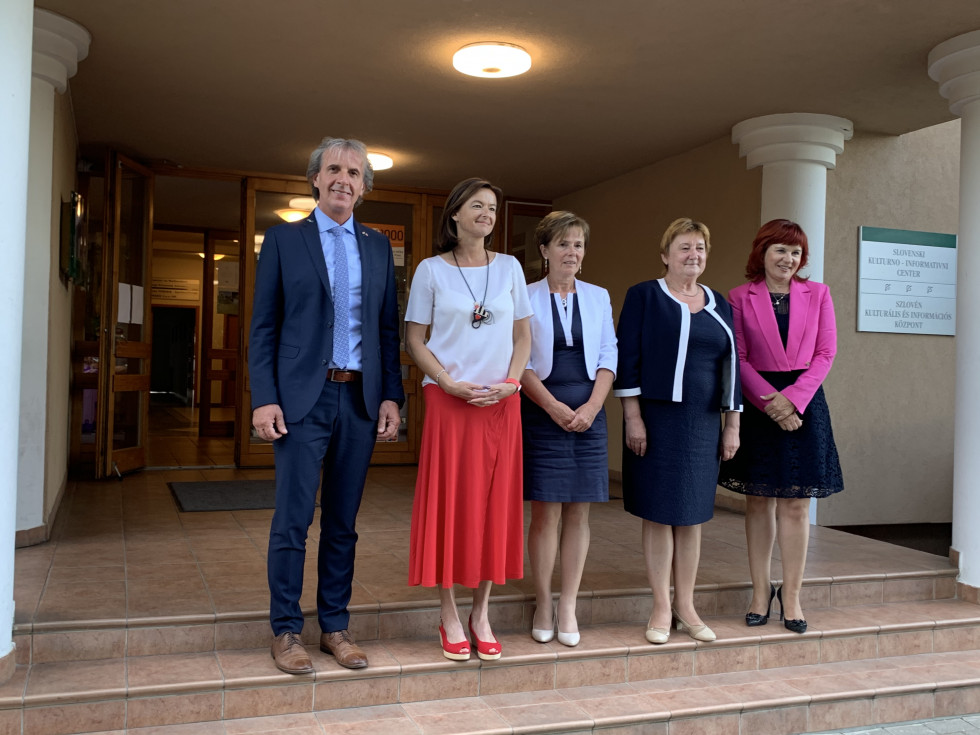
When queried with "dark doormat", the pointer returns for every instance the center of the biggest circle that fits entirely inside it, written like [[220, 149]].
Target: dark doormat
[[224, 495]]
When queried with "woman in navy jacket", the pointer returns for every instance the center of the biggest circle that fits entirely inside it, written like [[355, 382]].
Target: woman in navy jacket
[[678, 368]]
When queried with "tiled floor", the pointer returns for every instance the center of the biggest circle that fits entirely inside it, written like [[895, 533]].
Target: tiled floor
[[945, 725], [174, 441], [121, 550], [122, 553]]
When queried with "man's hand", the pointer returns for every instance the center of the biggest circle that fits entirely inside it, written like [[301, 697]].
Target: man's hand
[[389, 419], [268, 422]]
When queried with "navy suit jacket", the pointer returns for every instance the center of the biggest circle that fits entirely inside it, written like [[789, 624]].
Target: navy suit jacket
[[291, 337]]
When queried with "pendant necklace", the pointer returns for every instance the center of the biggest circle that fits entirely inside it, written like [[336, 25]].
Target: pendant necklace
[[480, 315], [780, 302]]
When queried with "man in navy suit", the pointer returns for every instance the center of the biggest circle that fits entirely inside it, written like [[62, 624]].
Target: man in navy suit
[[326, 384]]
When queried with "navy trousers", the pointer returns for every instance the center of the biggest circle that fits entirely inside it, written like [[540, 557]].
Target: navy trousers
[[336, 438]]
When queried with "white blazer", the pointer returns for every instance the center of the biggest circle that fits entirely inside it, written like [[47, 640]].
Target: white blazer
[[598, 332]]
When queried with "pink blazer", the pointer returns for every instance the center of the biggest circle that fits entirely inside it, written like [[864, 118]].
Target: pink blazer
[[810, 346]]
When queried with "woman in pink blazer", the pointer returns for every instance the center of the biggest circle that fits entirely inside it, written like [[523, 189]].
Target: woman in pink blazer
[[787, 339]]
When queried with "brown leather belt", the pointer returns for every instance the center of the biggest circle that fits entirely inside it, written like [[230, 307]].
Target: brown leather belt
[[344, 376]]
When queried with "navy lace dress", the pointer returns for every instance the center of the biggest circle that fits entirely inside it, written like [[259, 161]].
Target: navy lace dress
[[565, 466], [774, 463]]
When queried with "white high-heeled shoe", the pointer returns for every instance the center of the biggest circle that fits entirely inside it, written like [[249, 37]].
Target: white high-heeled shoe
[[566, 639], [546, 635]]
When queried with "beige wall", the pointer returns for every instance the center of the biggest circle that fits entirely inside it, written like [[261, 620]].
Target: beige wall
[[59, 314], [893, 426], [890, 395]]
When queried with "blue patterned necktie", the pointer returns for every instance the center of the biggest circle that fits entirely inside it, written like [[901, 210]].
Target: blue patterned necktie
[[341, 300]]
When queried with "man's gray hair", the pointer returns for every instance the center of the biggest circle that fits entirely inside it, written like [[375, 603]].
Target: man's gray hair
[[348, 144]]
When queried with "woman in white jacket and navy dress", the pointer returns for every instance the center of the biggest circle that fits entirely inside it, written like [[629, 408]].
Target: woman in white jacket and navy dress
[[570, 373]]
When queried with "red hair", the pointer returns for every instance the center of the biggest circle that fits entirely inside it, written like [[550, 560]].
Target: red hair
[[775, 232]]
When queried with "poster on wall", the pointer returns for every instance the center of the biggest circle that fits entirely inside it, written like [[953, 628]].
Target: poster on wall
[[396, 235], [227, 283], [906, 281]]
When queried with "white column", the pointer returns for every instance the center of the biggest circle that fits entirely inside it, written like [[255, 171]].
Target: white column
[[15, 104], [955, 66], [795, 150], [59, 44]]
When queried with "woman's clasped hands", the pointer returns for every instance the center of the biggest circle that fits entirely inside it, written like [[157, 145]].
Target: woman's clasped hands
[[479, 395], [781, 410]]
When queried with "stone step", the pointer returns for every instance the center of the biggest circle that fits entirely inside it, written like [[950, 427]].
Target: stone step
[[84, 639], [782, 701], [858, 654]]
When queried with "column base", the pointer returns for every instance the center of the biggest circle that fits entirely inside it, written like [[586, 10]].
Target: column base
[[8, 664], [965, 592]]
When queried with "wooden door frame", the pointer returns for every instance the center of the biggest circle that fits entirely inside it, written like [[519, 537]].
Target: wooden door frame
[[110, 460]]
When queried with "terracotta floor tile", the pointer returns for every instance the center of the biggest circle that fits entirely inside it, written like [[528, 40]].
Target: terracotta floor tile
[[173, 672], [169, 711], [73, 718], [79, 677], [684, 703], [381, 720], [570, 715], [195, 728], [275, 723]]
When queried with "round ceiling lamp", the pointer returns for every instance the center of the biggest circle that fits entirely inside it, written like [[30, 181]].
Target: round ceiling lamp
[[492, 59], [380, 161], [299, 207]]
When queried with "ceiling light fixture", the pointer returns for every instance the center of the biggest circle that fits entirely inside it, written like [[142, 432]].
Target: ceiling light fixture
[[292, 215], [299, 208], [492, 59], [380, 161]]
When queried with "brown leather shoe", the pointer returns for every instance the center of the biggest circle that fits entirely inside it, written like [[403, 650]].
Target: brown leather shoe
[[340, 644], [289, 654]]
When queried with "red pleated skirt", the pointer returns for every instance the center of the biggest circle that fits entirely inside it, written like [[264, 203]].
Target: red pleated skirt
[[468, 515]]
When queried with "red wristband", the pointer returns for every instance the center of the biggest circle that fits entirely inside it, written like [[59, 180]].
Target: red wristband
[[514, 381]]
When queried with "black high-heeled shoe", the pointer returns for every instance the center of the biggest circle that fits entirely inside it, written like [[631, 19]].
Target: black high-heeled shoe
[[755, 619], [794, 626]]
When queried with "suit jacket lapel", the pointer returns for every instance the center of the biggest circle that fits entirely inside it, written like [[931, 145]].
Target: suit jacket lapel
[[360, 234], [311, 236], [799, 311], [762, 306]]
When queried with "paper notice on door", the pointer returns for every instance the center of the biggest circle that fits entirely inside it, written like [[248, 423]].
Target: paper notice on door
[[125, 303], [137, 314]]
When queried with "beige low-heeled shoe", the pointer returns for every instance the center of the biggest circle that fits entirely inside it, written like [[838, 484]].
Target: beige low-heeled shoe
[[658, 635], [697, 632]]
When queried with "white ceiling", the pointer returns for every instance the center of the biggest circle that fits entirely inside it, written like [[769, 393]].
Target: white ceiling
[[254, 84]]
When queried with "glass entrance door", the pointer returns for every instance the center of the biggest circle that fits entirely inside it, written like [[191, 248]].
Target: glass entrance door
[[220, 330], [402, 217], [126, 348]]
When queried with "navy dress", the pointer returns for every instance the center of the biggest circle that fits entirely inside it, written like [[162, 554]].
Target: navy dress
[[565, 466], [675, 482], [774, 463]]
